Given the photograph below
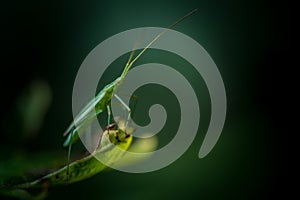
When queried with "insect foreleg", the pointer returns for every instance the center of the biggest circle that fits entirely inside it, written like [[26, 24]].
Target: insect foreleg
[[126, 107], [108, 116]]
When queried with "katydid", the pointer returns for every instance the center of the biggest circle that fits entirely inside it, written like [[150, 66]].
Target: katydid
[[102, 100]]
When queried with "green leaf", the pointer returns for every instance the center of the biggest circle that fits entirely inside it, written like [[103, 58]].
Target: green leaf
[[113, 151], [81, 169]]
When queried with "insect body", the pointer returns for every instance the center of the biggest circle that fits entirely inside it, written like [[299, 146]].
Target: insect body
[[103, 98], [99, 104]]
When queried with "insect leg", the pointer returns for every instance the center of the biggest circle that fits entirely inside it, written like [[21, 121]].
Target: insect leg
[[108, 116], [69, 155], [126, 107]]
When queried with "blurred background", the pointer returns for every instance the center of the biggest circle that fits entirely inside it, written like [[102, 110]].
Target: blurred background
[[43, 44]]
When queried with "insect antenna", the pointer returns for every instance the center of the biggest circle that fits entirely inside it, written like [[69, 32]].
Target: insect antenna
[[156, 38]]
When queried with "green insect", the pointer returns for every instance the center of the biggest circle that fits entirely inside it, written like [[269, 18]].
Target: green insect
[[103, 99]]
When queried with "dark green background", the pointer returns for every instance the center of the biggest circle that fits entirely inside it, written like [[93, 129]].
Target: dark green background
[[248, 40]]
